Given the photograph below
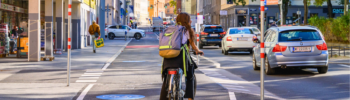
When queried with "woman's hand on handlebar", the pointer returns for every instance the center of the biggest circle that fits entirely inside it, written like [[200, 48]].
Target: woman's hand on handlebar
[[199, 52]]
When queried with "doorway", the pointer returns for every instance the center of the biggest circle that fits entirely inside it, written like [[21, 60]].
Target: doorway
[[241, 21]]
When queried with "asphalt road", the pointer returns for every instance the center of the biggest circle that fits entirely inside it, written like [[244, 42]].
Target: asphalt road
[[137, 71], [301, 84]]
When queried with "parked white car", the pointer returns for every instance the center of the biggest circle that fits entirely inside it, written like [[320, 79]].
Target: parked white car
[[119, 31], [238, 39]]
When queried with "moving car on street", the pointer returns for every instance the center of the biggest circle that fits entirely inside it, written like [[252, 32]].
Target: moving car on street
[[119, 31], [211, 35], [293, 46], [239, 39]]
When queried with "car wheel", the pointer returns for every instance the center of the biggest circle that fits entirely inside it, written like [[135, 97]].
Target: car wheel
[[137, 36], [322, 70], [225, 52], [111, 36], [268, 69], [255, 67]]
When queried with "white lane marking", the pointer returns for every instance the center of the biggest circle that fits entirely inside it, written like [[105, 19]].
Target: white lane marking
[[91, 75], [115, 56], [344, 65], [232, 96], [156, 35], [83, 81], [219, 81], [94, 71], [216, 64], [82, 95]]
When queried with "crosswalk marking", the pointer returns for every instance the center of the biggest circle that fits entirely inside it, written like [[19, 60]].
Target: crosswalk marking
[[86, 81], [344, 65], [90, 76]]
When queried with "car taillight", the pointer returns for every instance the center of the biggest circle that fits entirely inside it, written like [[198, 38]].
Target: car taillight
[[229, 38], [279, 48], [322, 46], [203, 33], [172, 72], [223, 33]]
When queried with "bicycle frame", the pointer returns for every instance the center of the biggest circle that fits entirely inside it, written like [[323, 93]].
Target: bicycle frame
[[175, 84]]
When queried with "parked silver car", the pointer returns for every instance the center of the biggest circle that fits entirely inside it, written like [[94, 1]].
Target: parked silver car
[[293, 46]]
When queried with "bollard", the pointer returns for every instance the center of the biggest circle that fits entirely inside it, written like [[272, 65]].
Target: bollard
[[331, 51], [125, 35], [339, 50], [344, 51]]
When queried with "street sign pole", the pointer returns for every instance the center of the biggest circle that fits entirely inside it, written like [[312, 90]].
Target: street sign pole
[[262, 50], [197, 29], [69, 40]]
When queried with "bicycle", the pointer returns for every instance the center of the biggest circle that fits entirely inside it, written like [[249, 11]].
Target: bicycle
[[174, 78]]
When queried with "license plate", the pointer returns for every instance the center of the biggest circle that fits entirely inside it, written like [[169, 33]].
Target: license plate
[[301, 49], [216, 35], [242, 39]]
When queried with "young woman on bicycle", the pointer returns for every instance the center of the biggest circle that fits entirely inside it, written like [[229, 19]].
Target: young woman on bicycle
[[184, 20]]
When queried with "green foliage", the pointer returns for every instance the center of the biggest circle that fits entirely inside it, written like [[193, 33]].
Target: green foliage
[[240, 2], [337, 29], [319, 2], [173, 4]]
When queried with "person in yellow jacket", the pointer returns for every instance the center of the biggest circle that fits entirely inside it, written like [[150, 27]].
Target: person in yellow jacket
[[94, 31]]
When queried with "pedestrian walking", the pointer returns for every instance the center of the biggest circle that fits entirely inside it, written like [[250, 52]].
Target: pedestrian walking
[[273, 24], [13, 42], [135, 25], [94, 31]]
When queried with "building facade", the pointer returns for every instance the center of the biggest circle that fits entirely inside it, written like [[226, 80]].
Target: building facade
[[45, 24], [156, 8], [141, 14], [249, 14], [169, 11], [112, 12]]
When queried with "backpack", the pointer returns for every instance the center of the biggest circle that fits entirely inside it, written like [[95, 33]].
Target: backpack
[[170, 42]]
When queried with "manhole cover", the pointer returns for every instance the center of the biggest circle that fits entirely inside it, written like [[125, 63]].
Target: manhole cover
[[120, 96]]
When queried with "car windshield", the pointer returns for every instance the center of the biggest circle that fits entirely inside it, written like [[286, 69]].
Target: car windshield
[[299, 35], [241, 31], [255, 30], [213, 29]]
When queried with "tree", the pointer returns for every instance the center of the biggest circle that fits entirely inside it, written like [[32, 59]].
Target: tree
[[173, 4], [238, 2], [306, 9], [285, 4], [329, 6]]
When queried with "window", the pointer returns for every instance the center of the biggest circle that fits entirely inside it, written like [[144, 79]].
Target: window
[[266, 35], [255, 30], [213, 29], [122, 27], [114, 27], [168, 10], [299, 35], [241, 31]]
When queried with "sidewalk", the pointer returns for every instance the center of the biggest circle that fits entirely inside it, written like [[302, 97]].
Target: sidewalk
[[80, 58], [47, 80]]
